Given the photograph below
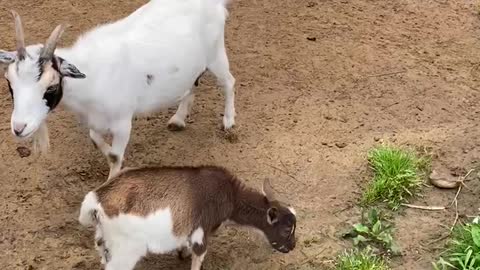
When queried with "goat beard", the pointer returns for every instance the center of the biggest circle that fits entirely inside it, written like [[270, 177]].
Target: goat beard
[[41, 140]]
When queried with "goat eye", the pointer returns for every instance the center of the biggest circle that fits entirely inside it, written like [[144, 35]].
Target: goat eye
[[52, 88]]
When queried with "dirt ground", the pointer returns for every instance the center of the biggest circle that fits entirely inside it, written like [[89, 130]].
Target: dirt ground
[[318, 84]]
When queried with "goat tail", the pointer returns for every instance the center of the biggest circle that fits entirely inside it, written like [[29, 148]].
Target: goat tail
[[89, 210]]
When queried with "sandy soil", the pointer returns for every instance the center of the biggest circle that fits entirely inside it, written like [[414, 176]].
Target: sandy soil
[[318, 84]]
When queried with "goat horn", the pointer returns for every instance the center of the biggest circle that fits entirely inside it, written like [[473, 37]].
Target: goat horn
[[51, 43], [268, 190], [21, 51]]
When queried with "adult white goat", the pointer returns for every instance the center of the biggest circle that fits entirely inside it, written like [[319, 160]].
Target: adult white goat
[[145, 62]]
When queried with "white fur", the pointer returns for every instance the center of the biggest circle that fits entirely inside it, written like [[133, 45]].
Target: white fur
[[89, 205], [170, 41], [128, 238], [292, 210], [197, 236]]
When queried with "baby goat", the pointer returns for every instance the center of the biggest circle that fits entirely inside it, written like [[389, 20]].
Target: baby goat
[[163, 209], [145, 62]]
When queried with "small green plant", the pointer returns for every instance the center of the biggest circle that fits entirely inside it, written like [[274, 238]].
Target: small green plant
[[374, 231], [396, 176], [463, 251], [360, 260]]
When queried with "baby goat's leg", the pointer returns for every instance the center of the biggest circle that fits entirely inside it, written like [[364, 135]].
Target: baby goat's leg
[[197, 260], [199, 248], [220, 68], [177, 122], [121, 136]]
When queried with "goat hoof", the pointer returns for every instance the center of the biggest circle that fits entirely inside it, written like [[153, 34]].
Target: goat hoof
[[175, 127]]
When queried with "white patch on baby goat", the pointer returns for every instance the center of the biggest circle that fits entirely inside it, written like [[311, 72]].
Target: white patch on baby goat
[[145, 62]]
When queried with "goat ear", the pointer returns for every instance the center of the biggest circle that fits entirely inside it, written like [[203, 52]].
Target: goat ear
[[7, 57], [272, 215], [67, 69], [268, 190]]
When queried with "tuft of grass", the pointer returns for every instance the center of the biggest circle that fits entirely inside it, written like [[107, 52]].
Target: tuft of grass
[[396, 175], [375, 232], [360, 260], [463, 251]]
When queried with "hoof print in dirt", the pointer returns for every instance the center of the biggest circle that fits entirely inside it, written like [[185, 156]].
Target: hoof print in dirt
[[341, 145], [231, 136], [23, 151]]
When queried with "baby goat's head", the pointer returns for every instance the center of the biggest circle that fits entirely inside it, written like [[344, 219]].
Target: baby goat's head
[[34, 75], [281, 220]]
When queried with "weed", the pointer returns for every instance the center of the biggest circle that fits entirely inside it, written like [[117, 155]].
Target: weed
[[396, 175], [463, 250], [374, 231], [360, 260]]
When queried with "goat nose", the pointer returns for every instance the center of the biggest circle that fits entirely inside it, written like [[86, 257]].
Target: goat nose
[[18, 128]]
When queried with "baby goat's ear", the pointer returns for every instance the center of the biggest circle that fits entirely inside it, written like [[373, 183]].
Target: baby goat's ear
[[7, 58], [67, 69]]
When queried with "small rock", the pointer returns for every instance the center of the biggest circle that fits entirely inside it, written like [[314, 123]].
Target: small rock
[[442, 179], [341, 144], [312, 38], [311, 4], [376, 138], [328, 117], [23, 151]]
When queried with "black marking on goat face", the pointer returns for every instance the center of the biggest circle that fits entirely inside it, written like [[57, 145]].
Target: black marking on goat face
[[10, 89], [40, 64], [53, 95], [150, 79]]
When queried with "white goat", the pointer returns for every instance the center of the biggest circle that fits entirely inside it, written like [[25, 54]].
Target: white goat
[[145, 62], [163, 209]]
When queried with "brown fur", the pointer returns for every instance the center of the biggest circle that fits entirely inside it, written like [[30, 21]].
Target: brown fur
[[189, 192]]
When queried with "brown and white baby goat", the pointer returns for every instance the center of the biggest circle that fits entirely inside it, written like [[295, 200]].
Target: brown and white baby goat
[[163, 209]]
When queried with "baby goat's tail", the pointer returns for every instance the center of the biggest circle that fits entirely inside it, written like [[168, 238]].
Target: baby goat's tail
[[89, 210]]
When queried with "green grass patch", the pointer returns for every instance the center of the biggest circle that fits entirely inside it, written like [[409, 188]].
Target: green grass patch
[[374, 232], [397, 176], [463, 249], [360, 260]]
